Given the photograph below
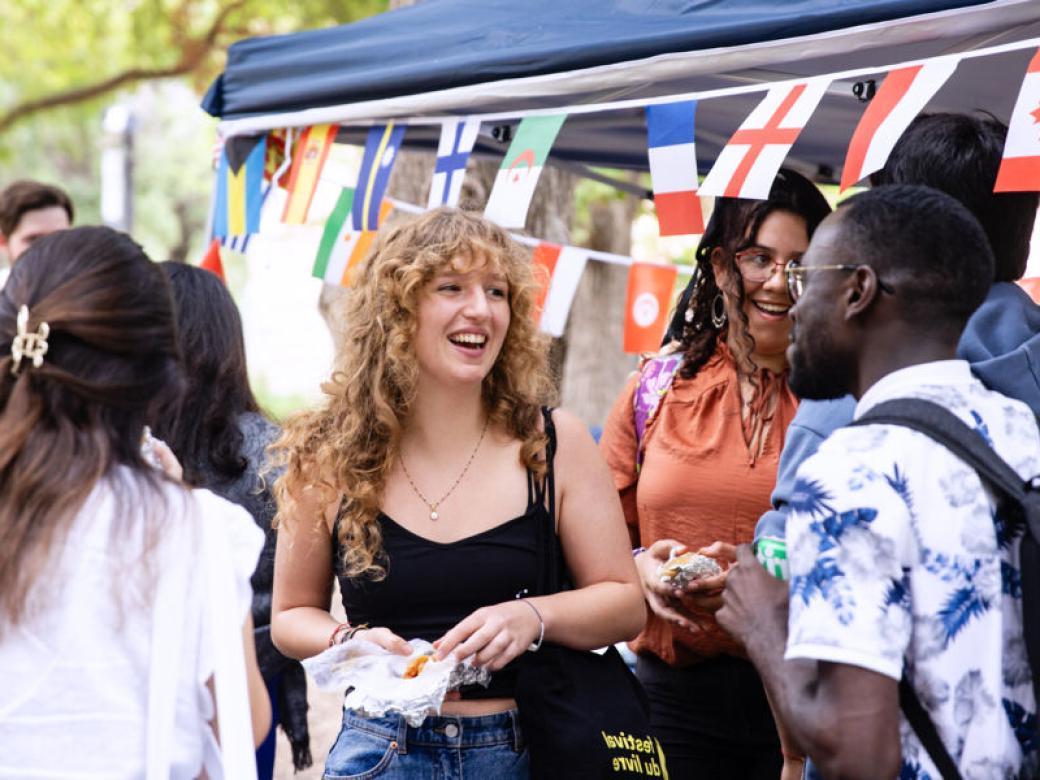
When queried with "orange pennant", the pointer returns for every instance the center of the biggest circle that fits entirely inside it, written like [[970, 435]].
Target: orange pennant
[[544, 261], [211, 260], [650, 287]]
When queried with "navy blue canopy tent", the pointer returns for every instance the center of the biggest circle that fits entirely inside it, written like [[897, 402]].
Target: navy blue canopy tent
[[602, 57]]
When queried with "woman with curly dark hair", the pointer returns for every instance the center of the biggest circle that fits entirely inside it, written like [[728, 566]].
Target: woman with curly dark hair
[[219, 437], [694, 441], [422, 483]]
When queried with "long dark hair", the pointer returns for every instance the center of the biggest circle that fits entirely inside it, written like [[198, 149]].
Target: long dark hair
[[205, 436], [733, 226], [69, 422]]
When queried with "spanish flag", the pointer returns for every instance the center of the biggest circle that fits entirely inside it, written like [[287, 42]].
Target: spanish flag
[[239, 180], [308, 159]]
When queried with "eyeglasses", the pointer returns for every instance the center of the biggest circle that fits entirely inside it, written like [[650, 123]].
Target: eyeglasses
[[757, 265], [796, 273]]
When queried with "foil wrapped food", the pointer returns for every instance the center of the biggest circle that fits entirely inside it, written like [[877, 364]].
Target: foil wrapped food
[[379, 682], [684, 568]]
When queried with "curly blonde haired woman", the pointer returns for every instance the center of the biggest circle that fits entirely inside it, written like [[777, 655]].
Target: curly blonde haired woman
[[420, 484]]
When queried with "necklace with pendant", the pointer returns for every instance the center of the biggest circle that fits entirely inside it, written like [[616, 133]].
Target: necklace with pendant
[[432, 505]]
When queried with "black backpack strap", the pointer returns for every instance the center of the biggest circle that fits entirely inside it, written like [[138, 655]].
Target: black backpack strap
[[550, 562], [919, 720], [949, 430], [945, 428]]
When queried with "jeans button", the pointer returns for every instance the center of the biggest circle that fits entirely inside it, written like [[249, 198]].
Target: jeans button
[[451, 730]]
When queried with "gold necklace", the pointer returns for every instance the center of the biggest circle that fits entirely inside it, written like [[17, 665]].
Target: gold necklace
[[434, 504]]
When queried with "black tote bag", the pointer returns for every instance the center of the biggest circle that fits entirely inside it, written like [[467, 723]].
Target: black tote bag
[[584, 715]]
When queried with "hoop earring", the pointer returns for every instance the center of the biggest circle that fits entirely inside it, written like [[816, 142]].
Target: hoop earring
[[718, 311]]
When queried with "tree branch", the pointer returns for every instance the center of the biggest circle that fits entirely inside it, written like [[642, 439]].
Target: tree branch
[[193, 54]]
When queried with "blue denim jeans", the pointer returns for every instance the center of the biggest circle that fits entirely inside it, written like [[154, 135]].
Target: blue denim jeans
[[445, 748]]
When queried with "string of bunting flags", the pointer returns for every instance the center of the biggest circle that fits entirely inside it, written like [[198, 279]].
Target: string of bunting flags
[[249, 166]]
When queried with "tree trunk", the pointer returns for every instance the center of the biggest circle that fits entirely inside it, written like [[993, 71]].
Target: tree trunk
[[594, 365]]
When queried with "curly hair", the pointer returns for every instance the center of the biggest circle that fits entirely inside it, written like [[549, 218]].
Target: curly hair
[[733, 226], [345, 448]]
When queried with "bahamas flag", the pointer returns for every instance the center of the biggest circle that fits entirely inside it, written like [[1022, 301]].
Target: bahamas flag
[[239, 183], [376, 165]]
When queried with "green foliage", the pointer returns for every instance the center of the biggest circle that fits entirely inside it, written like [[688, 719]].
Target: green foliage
[[63, 47]]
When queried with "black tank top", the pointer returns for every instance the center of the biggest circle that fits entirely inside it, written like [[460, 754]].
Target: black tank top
[[430, 586]]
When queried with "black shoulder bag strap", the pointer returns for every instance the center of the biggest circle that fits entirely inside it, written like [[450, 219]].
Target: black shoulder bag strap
[[947, 429], [550, 575]]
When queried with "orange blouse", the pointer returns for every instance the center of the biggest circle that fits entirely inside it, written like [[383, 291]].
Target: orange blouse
[[699, 482]]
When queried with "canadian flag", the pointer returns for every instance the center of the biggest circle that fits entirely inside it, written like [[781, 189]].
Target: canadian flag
[[558, 271], [747, 165], [1020, 168], [650, 287], [902, 95]]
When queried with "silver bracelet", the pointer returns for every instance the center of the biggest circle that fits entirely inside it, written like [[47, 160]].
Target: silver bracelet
[[534, 646]]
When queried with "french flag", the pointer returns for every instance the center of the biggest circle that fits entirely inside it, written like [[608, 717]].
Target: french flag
[[673, 167], [1020, 168], [901, 97]]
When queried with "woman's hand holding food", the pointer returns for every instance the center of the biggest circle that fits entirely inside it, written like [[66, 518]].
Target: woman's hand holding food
[[494, 635], [705, 593], [386, 639], [663, 598]]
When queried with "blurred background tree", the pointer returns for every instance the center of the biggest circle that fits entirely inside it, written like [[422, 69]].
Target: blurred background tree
[[64, 61]]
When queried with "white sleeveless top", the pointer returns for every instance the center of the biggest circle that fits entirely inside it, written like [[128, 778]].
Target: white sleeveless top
[[74, 675]]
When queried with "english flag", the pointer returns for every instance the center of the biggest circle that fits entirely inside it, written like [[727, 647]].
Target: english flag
[[1020, 168], [747, 165], [558, 271], [902, 96], [673, 167], [650, 287]]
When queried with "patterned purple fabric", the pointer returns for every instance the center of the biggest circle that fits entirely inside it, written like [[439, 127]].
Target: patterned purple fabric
[[655, 377]]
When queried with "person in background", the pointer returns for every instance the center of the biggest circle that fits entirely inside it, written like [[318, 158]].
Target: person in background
[[422, 483], [30, 210], [124, 595], [219, 437], [902, 564], [957, 154], [693, 442]]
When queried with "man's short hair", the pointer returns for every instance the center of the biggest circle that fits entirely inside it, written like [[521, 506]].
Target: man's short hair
[[926, 245], [24, 196], [959, 154]]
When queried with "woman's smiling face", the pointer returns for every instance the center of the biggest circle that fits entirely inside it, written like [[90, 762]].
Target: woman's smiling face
[[463, 317], [781, 237]]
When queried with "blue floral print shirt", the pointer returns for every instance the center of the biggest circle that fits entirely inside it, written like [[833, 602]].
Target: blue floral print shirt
[[897, 556]]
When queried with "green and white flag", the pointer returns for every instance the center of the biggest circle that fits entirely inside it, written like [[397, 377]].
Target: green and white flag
[[516, 180], [336, 247]]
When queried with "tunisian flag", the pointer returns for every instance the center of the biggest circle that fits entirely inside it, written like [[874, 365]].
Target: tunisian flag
[[1020, 168], [747, 165], [902, 95], [650, 288]]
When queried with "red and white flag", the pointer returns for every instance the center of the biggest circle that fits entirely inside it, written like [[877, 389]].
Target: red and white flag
[[1020, 168], [747, 165], [901, 97], [558, 271], [650, 287]]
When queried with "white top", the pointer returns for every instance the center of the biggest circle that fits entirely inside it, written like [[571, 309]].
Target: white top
[[74, 676], [894, 551]]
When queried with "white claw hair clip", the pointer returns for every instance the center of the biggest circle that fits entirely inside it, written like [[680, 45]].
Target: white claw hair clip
[[26, 344]]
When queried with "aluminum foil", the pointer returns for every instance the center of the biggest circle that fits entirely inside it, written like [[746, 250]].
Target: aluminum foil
[[377, 683], [679, 570]]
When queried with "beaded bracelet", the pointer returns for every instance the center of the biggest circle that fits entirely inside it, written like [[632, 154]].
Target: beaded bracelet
[[339, 636], [335, 633]]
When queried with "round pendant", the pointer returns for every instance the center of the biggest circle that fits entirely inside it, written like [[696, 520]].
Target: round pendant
[[434, 515]]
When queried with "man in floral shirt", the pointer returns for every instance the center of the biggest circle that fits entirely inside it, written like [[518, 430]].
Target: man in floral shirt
[[899, 562]]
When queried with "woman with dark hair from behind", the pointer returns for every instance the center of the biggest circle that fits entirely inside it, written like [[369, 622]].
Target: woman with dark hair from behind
[[123, 595], [219, 437], [693, 441]]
